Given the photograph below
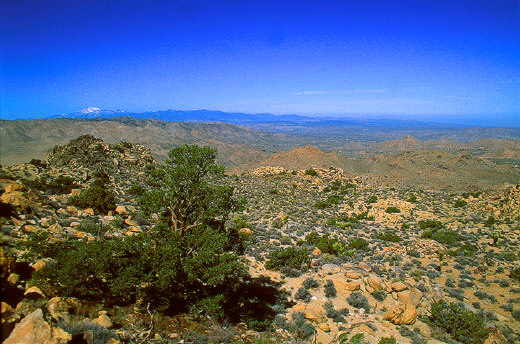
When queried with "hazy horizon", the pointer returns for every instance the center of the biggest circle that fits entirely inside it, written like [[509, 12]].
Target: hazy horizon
[[453, 62]]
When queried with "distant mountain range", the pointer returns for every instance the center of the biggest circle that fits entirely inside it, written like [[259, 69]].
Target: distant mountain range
[[189, 116]]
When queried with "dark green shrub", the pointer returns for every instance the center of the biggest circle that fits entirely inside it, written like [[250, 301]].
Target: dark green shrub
[[95, 197], [302, 294], [358, 300], [321, 205], [379, 295], [287, 257], [326, 244], [372, 199], [515, 274], [387, 341], [334, 199], [136, 190], [310, 283], [388, 236], [516, 315], [311, 172], [38, 163], [58, 185], [358, 244], [93, 228], [490, 221], [468, 249], [412, 199], [460, 203], [460, 324], [273, 192], [332, 313], [448, 237], [392, 210], [301, 327], [433, 224], [358, 338], [330, 289]]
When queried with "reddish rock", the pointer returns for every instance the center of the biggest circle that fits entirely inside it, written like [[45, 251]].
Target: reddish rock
[[399, 286], [33, 329]]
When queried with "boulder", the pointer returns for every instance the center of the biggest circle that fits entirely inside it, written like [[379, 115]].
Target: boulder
[[61, 308], [399, 286], [402, 315], [375, 282], [103, 320], [353, 285], [34, 293], [33, 329], [411, 296], [13, 279]]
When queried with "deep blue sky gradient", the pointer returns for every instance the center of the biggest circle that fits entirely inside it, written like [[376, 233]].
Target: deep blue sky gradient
[[456, 58]]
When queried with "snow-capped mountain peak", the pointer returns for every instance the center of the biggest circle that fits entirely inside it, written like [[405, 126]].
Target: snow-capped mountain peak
[[90, 110], [93, 112]]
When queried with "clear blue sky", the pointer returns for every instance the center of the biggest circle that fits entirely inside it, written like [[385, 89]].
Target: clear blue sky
[[306, 57]]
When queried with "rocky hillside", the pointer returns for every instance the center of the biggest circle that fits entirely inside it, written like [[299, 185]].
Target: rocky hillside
[[20, 141], [421, 169], [358, 261]]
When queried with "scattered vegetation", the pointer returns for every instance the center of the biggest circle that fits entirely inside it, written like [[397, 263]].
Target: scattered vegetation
[[388, 236], [289, 256], [462, 325], [96, 196], [392, 210]]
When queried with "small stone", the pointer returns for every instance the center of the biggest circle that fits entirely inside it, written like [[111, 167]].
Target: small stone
[[89, 211], [121, 209], [324, 327], [246, 231], [31, 228], [365, 266], [366, 329], [316, 252], [131, 223], [353, 275], [40, 264]]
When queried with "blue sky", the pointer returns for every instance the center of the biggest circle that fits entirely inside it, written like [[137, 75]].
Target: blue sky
[[409, 58]]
